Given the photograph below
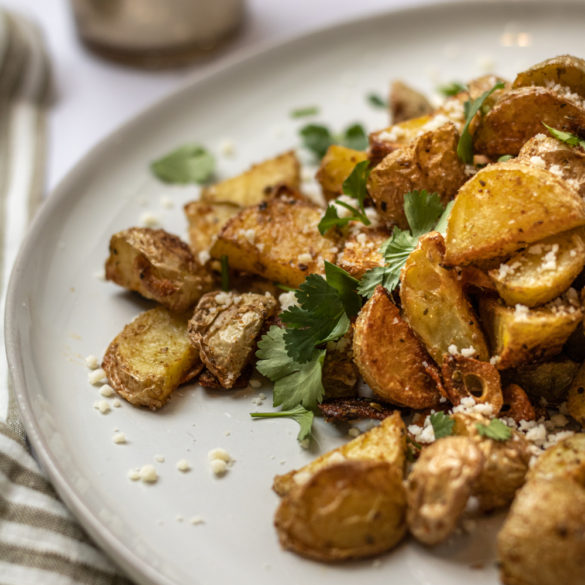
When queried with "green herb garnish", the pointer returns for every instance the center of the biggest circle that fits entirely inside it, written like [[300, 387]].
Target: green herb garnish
[[442, 424], [190, 163], [225, 273], [452, 89], [318, 138], [565, 137], [375, 100], [303, 416], [303, 112], [505, 157], [496, 430]]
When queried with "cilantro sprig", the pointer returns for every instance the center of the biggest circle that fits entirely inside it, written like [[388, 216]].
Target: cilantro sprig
[[566, 137], [442, 424], [424, 212], [303, 112], [318, 138], [496, 430], [452, 89], [354, 186], [299, 414], [377, 101], [470, 109], [190, 163]]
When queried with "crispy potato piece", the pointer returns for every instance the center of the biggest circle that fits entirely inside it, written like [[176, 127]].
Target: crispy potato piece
[[435, 305], [521, 335], [385, 442], [340, 374], [389, 357], [518, 116], [361, 250], [543, 539], [517, 405], [506, 206], [406, 103], [465, 377], [159, 266], [349, 510], [207, 380], [252, 186], [224, 328], [567, 162], [430, 162], [150, 358], [439, 486], [543, 271], [564, 70], [205, 222], [565, 460], [335, 167], [576, 396], [278, 240], [349, 409]]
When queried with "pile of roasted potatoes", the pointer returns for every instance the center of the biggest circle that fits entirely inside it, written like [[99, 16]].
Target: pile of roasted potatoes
[[486, 323]]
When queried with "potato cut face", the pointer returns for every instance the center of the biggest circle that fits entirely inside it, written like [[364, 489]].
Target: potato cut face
[[361, 250], [224, 328], [205, 222], [565, 460], [278, 240], [350, 510], [435, 305], [151, 357], [337, 164], [519, 335], [430, 162], [564, 70], [519, 115], [385, 442], [159, 266], [390, 358], [541, 272], [252, 186], [506, 206]]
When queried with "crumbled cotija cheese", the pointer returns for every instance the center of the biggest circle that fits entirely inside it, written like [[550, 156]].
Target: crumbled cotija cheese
[[183, 465], [305, 258], [223, 298], [149, 219], [195, 520], [521, 311], [92, 362], [148, 474], [549, 261], [203, 257], [537, 161], [468, 351], [218, 467], [287, 299], [119, 438], [103, 406], [107, 391], [97, 376]]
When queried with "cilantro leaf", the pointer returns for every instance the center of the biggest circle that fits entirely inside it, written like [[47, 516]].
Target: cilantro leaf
[[505, 157], [441, 226], [355, 137], [375, 276], [442, 424], [566, 137], [302, 112], [225, 273], [470, 108], [345, 284], [294, 383], [317, 139], [496, 430], [452, 89], [303, 416], [422, 210], [190, 163], [375, 100]]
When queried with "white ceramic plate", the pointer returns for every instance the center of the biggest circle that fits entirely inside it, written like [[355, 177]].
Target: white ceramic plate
[[59, 312]]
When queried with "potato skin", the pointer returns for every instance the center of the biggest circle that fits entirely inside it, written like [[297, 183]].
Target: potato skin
[[159, 266], [150, 358], [390, 358], [361, 250], [565, 460], [337, 164], [407, 103], [349, 510]]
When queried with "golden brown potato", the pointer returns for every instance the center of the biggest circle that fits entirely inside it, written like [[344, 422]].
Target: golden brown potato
[[543, 271], [406, 103], [576, 396], [252, 186], [435, 305], [159, 266], [506, 206], [519, 115], [205, 222], [543, 539], [564, 70], [390, 358], [340, 374], [439, 486], [151, 357], [349, 510], [565, 460], [517, 405], [337, 164], [278, 240], [224, 328], [430, 162], [361, 250], [385, 442], [520, 335]]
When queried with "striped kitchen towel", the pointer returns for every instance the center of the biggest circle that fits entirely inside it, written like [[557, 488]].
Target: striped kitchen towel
[[41, 543]]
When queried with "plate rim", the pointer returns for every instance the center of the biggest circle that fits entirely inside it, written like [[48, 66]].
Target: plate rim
[[113, 548]]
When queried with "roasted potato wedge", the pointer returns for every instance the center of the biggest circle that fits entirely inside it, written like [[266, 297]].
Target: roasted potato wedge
[[565, 460], [385, 442], [519, 115], [520, 335], [252, 186], [224, 328], [406, 103], [517, 405], [430, 162], [506, 206], [159, 266], [390, 358], [576, 396], [151, 357], [564, 70], [349, 510], [542, 541], [361, 250], [340, 374], [337, 164], [277, 240], [435, 306], [541, 272]]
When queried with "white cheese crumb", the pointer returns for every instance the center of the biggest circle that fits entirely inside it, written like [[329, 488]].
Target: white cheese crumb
[[218, 467], [254, 382], [183, 465], [96, 377], [107, 391], [521, 311], [556, 170], [287, 299], [103, 406], [302, 477], [452, 349], [134, 474], [249, 235], [537, 161], [223, 298], [167, 202], [92, 362], [116, 403], [204, 256], [119, 438], [227, 147], [394, 134], [159, 458], [195, 520], [219, 454], [149, 219], [495, 360], [148, 474], [468, 351], [361, 238], [100, 274], [305, 258]]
